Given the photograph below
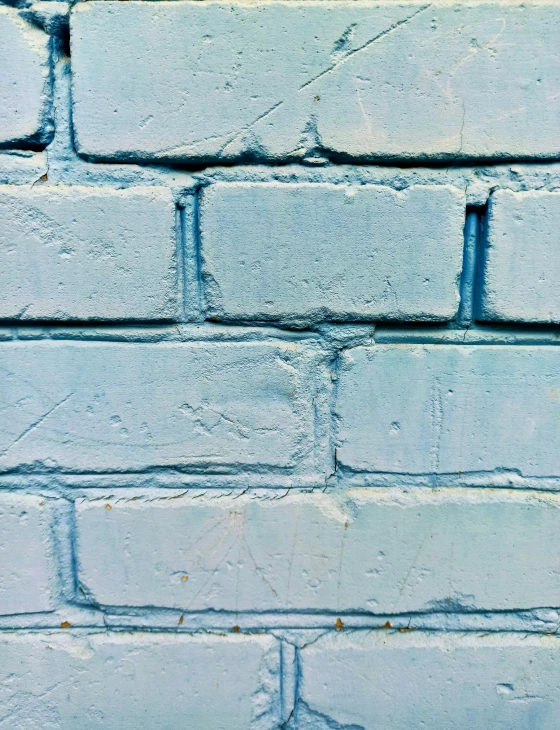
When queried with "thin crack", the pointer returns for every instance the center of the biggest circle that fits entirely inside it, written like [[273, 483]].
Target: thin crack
[[36, 424], [251, 124], [363, 47]]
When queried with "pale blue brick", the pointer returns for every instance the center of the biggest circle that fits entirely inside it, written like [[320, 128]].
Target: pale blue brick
[[444, 409], [26, 555], [221, 81], [391, 681], [120, 407], [129, 681], [522, 258], [367, 550], [24, 82], [300, 253], [87, 253]]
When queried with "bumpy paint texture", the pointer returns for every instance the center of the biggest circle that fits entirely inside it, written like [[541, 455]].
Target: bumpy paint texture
[[279, 365]]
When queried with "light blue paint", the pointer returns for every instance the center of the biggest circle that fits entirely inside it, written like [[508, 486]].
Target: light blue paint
[[127, 681], [407, 682], [301, 253], [365, 550], [25, 109], [196, 516], [447, 409], [116, 407], [363, 81], [75, 253], [521, 258]]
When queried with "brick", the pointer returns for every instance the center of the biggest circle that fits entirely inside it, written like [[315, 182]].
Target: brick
[[446, 409], [87, 253], [522, 266], [130, 406], [25, 113], [220, 81], [417, 680], [135, 680], [308, 252], [26, 554], [312, 552]]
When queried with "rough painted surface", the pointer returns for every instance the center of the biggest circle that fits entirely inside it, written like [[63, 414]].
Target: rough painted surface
[[129, 681], [185, 81], [444, 409], [86, 253], [316, 252], [262, 463], [129, 407], [413, 681], [26, 555], [373, 550], [24, 82], [521, 258]]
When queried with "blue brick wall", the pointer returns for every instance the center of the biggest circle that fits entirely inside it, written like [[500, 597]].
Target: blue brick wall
[[279, 366]]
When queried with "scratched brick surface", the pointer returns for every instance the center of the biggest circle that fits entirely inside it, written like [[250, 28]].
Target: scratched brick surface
[[416, 680], [129, 407], [521, 266], [87, 253], [25, 113], [446, 410], [222, 81], [279, 365], [26, 554], [128, 681], [373, 550], [305, 252]]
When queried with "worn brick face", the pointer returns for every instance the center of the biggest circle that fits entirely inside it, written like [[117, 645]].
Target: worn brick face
[[130, 407], [414, 81], [25, 112], [97, 680], [374, 550], [77, 253], [27, 562], [521, 258], [308, 252]]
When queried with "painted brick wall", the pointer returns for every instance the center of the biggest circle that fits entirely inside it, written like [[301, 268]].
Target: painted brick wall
[[279, 365]]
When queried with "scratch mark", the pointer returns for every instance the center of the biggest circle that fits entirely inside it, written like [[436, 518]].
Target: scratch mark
[[248, 126], [409, 571], [340, 562], [36, 424], [22, 311], [363, 47], [436, 418], [367, 120], [222, 540], [296, 534], [258, 570], [198, 414], [475, 51], [462, 130]]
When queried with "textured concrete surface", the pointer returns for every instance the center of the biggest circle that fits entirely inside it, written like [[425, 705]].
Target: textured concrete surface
[[129, 407], [129, 681], [26, 555]]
